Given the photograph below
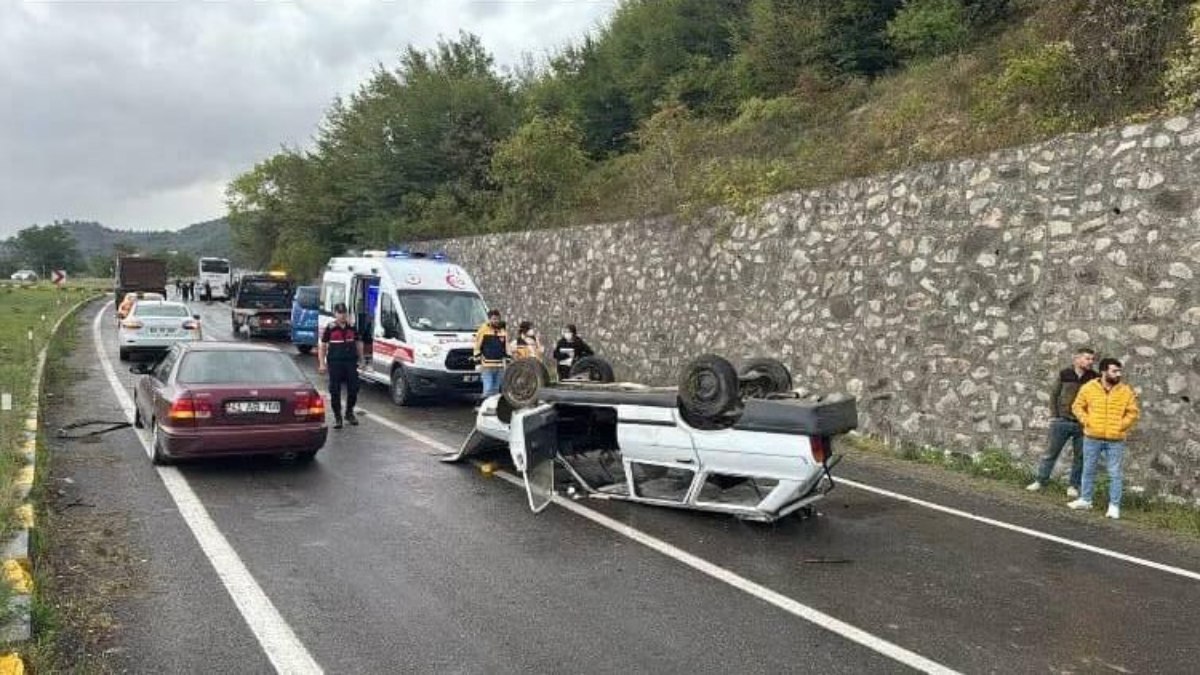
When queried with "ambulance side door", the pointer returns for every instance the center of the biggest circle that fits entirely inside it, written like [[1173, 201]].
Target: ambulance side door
[[388, 334]]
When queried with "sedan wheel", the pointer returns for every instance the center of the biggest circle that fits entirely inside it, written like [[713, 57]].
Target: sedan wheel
[[160, 458], [137, 415]]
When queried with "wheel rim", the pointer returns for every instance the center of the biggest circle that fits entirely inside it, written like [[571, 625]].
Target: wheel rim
[[524, 384]]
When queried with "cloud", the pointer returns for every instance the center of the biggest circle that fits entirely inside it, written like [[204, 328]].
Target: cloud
[[136, 113]]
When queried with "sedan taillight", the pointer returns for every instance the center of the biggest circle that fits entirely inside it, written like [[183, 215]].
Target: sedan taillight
[[188, 409], [310, 405], [819, 445], [191, 325], [131, 324]]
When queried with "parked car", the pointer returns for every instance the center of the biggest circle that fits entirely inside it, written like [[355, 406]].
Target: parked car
[[155, 325], [24, 275], [306, 312], [217, 399], [742, 444]]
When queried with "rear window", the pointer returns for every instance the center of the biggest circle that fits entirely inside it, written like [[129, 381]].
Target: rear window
[[232, 367], [308, 297], [168, 311], [265, 287], [214, 266]]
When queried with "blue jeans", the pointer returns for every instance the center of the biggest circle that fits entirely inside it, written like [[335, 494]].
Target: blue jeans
[[1061, 431], [491, 378], [1114, 452]]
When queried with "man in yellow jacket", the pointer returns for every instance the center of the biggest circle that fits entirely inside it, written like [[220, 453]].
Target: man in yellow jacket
[[491, 352], [1107, 408]]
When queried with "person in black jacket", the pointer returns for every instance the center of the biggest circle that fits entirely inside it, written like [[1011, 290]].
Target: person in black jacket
[[1063, 425], [569, 349]]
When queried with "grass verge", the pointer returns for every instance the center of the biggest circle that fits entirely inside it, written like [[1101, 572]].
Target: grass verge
[[998, 466]]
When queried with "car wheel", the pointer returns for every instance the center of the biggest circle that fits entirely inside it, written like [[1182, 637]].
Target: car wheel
[[160, 457], [137, 415], [305, 457], [762, 377], [304, 349], [402, 394], [123, 354], [709, 396], [592, 369], [522, 380]]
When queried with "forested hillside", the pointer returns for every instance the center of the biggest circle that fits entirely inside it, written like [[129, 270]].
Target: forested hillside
[[675, 105]]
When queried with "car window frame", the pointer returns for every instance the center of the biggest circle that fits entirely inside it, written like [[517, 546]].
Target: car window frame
[[162, 370]]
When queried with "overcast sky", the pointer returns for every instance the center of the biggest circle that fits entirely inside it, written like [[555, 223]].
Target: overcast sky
[[136, 113]]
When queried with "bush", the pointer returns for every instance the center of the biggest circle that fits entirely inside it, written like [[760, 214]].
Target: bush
[[539, 169], [1181, 81], [927, 28]]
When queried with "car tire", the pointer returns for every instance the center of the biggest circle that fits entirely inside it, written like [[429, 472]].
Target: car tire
[[709, 393], [763, 377], [523, 379], [402, 394], [137, 415], [305, 457], [304, 349], [592, 369], [159, 457]]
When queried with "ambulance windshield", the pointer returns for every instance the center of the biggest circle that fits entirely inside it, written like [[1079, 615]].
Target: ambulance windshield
[[443, 311]]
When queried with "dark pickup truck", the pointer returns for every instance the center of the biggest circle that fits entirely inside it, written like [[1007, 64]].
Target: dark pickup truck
[[262, 305]]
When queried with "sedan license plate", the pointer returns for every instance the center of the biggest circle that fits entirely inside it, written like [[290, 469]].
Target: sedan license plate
[[251, 407]]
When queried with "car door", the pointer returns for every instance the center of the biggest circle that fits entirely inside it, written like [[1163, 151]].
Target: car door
[[660, 458], [388, 334], [157, 383], [533, 445]]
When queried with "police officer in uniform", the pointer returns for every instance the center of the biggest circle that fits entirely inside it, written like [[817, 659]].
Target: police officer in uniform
[[340, 354]]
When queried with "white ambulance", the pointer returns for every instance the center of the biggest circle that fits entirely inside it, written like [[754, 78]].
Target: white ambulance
[[417, 313]]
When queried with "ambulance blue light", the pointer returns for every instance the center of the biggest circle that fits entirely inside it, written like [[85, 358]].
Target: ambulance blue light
[[439, 256], [398, 253]]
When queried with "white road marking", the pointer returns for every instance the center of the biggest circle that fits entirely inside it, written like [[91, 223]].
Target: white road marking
[[276, 638], [1116, 555], [797, 609]]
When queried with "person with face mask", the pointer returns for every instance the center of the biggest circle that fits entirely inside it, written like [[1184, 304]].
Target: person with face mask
[[491, 351], [569, 349], [527, 344], [1107, 408]]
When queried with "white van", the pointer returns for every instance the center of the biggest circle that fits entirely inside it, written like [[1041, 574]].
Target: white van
[[417, 313]]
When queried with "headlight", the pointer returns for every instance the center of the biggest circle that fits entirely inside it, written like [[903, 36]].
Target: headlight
[[428, 351]]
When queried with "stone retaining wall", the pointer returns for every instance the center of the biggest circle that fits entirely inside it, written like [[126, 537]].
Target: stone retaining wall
[[944, 296]]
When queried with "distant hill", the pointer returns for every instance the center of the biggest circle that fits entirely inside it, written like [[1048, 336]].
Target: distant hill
[[210, 238]]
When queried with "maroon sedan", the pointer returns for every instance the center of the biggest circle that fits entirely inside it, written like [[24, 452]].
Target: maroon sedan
[[214, 399]]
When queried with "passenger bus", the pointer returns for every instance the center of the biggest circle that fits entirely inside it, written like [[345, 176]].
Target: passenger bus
[[217, 274]]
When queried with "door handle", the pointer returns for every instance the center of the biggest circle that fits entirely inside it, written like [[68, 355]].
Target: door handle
[[684, 461]]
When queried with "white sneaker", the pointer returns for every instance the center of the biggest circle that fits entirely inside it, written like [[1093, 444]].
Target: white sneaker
[[1034, 486], [1073, 492], [1079, 505], [1114, 512]]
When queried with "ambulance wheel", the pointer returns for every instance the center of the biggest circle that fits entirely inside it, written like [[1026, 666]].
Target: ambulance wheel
[[304, 349], [709, 393], [402, 394], [762, 377], [522, 380], [592, 369]]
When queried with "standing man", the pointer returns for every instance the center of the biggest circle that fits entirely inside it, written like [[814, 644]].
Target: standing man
[[491, 350], [1063, 425], [1108, 409], [340, 354]]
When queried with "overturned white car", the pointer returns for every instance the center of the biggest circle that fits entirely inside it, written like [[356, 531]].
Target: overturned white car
[[747, 444]]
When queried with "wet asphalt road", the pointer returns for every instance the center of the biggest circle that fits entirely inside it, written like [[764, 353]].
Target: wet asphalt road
[[382, 559]]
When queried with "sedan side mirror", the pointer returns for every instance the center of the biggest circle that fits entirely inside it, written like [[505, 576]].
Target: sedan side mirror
[[141, 368]]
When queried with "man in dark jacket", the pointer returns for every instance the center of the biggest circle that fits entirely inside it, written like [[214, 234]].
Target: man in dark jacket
[[1063, 424], [340, 353], [569, 349]]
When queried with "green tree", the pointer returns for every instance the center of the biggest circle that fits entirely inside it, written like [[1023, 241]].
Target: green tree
[[539, 169], [47, 248], [926, 28]]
